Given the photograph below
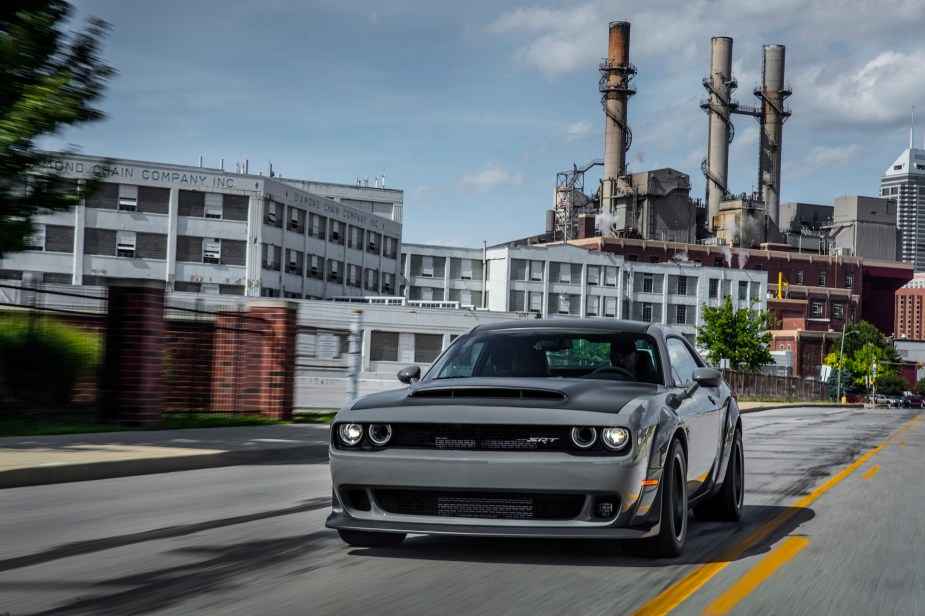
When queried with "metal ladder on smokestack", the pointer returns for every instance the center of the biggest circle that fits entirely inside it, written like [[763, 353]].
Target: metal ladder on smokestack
[[621, 89], [724, 109]]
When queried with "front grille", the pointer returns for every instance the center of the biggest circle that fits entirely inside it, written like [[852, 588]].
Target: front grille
[[484, 505], [481, 438]]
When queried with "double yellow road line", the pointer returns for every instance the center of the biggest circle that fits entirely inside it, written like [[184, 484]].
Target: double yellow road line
[[677, 593]]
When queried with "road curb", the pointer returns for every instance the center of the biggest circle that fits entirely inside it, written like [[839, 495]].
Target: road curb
[[111, 469]]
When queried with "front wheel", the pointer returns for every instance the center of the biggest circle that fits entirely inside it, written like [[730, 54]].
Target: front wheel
[[669, 542], [368, 539]]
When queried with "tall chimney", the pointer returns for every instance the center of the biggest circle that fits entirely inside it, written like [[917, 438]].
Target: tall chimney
[[772, 94], [616, 73], [719, 106]]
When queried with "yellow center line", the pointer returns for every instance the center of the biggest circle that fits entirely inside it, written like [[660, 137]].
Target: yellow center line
[[762, 571], [873, 471], [902, 442], [675, 594]]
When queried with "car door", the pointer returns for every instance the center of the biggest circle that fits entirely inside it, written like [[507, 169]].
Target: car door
[[701, 413]]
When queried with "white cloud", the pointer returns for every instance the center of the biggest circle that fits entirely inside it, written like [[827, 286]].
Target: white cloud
[[821, 157], [491, 176]]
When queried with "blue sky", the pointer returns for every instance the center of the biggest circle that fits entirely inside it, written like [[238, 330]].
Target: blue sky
[[473, 107]]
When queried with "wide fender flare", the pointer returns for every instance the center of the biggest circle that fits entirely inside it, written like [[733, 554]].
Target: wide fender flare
[[666, 427], [731, 421]]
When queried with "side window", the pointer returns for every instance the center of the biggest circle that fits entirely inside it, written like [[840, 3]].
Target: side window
[[682, 362]]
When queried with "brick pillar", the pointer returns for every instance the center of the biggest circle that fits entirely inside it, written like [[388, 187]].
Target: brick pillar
[[132, 380], [254, 366]]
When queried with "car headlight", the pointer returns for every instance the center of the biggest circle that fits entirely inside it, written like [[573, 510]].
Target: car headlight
[[350, 434], [379, 434], [615, 438], [583, 438]]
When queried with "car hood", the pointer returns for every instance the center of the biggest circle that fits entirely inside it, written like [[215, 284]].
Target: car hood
[[565, 394]]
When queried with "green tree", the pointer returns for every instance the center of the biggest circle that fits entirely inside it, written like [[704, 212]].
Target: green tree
[[891, 384], [49, 79], [740, 335], [920, 386], [864, 344]]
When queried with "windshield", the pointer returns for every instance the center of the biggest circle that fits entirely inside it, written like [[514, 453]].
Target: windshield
[[548, 353]]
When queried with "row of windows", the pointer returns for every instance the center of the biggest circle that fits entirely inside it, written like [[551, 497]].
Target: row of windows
[[156, 200], [427, 266], [334, 231]]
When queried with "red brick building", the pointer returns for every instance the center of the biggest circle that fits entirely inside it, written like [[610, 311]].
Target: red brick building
[[910, 323], [818, 294]]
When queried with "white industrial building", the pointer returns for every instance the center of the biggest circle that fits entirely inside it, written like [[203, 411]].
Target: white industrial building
[[566, 280], [216, 232]]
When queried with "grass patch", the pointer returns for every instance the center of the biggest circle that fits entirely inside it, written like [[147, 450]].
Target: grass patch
[[43, 426], [316, 417]]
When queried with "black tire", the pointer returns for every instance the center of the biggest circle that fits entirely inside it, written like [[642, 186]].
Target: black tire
[[669, 543], [727, 504], [368, 539]]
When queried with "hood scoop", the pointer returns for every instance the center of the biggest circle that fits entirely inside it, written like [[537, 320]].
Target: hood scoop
[[516, 393]]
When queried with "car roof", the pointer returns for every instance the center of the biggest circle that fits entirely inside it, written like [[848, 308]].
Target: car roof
[[574, 323]]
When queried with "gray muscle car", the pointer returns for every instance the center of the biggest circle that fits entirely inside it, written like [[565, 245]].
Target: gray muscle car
[[574, 428]]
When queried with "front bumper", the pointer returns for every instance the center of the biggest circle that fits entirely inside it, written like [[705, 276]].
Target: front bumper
[[458, 474]]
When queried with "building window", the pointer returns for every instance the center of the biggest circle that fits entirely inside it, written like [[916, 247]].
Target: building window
[[822, 278], [125, 244], [128, 198], [383, 346], [565, 272], [610, 276], [647, 283], [212, 250], [717, 261], [849, 280], [271, 214], [682, 285], [594, 275], [647, 312], [536, 271], [610, 307], [682, 315], [427, 266], [212, 206], [838, 311], [816, 309], [799, 277], [36, 241], [743, 290], [714, 288]]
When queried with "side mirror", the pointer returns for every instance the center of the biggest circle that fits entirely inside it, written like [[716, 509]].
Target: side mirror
[[409, 374], [707, 377]]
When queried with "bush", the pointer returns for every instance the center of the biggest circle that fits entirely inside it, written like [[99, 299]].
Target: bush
[[891, 385], [41, 359]]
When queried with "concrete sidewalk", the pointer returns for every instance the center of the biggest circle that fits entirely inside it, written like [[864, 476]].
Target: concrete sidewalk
[[39, 460]]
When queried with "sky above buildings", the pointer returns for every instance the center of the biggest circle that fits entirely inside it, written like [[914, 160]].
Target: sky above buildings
[[472, 108]]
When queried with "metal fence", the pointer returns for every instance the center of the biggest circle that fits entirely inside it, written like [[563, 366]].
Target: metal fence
[[52, 342], [768, 387]]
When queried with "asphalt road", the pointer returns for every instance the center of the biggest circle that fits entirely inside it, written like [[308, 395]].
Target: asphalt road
[[833, 525]]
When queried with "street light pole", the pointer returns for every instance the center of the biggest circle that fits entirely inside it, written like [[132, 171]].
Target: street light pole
[[841, 355]]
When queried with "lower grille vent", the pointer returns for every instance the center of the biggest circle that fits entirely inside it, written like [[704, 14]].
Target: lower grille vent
[[485, 505]]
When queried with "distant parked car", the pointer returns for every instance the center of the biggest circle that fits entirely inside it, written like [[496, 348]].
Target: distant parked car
[[915, 401], [898, 402]]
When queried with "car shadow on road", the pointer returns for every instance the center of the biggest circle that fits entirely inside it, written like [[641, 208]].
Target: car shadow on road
[[707, 542]]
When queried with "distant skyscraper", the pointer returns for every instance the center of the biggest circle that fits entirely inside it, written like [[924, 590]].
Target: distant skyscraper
[[904, 181]]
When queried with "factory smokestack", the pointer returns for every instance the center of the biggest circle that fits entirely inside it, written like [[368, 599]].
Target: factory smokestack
[[719, 108], [773, 114], [616, 73]]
